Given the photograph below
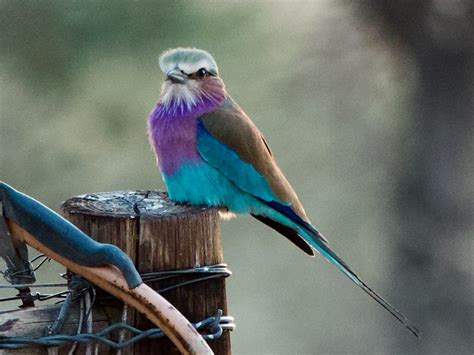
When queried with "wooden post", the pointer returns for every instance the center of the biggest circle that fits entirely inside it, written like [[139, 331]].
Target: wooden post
[[158, 235]]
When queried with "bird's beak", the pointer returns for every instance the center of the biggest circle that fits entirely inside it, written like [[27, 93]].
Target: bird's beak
[[176, 76]]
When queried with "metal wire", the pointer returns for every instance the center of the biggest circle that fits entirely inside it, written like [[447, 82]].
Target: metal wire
[[210, 328], [36, 296], [45, 258], [34, 285], [201, 273]]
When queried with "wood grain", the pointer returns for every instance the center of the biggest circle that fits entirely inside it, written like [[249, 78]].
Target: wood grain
[[159, 235]]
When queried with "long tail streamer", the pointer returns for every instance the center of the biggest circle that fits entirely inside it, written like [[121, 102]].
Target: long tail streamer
[[322, 248]]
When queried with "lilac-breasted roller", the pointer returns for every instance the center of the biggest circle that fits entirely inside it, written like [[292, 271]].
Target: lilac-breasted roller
[[211, 153]]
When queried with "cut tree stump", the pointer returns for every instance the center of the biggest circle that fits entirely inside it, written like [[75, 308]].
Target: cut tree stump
[[158, 235]]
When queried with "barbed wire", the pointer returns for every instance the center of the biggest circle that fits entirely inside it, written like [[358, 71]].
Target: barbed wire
[[214, 325]]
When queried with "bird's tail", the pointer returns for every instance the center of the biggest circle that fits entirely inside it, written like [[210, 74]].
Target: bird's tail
[[317, 241], [294, 226]]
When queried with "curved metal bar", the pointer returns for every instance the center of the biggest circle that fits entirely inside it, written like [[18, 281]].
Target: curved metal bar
[[62, 236]]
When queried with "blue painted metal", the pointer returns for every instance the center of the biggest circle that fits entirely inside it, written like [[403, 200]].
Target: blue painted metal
[[62, 236]]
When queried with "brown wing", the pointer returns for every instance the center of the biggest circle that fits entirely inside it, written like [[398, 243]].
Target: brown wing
[[231, 126]]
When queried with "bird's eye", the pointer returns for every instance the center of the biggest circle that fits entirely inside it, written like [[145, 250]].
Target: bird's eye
[[202, 73]]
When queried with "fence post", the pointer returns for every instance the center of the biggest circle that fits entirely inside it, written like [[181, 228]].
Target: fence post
[[158, 235]]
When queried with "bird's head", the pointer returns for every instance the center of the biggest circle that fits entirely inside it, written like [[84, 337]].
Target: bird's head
[[192, 81]]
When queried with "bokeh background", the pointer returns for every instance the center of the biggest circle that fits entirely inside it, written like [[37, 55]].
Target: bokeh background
[[368, 106]]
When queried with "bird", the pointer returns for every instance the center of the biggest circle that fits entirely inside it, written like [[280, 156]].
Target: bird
[[210, 153]]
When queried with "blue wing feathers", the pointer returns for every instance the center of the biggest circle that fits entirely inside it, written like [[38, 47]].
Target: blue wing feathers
[[227, 161]]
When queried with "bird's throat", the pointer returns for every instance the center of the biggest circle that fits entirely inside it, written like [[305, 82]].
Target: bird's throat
[[189, 99]]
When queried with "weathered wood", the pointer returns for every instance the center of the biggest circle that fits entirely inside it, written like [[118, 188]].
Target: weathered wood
[[108, 218], [159, 235], [33, 322]]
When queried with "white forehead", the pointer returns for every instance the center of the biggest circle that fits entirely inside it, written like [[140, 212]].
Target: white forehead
[[188, 60]]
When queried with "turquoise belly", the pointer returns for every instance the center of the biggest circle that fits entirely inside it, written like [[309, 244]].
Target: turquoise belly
[[201, 184]]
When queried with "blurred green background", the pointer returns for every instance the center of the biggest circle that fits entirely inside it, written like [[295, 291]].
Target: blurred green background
[[367, 105]]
